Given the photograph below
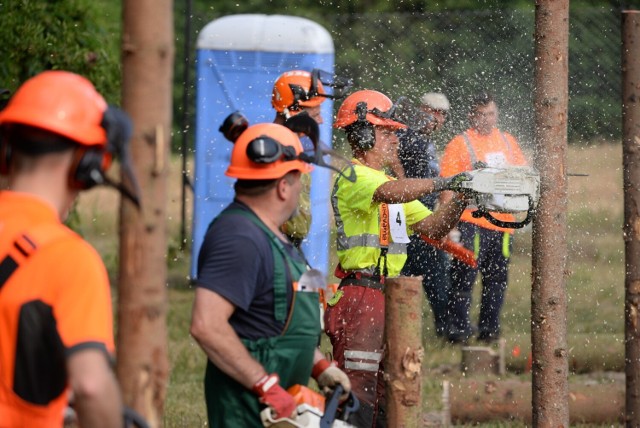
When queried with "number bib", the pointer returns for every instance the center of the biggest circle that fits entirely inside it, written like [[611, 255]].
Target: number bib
[[398, 224]]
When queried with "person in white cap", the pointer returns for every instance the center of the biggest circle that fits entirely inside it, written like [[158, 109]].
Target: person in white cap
[[417, 154]]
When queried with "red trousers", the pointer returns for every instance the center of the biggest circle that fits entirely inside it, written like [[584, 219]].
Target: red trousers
[[355, 326]]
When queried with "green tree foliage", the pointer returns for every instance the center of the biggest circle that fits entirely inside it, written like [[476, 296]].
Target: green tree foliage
[[77, 35], [406, 47]]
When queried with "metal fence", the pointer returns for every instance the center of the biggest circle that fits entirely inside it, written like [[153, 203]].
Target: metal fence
[[461, 53]]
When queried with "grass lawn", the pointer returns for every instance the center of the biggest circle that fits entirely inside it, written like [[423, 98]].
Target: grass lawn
[[595, 286]]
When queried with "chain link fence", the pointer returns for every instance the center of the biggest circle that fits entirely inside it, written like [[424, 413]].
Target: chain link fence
[[461, 53]]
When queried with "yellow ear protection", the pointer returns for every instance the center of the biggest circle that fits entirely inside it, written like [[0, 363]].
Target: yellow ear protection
[[361, 133]]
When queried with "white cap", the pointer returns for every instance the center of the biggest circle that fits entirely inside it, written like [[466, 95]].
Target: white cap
[[435, 100]]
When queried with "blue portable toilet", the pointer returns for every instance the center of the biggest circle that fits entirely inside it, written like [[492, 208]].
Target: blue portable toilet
[[239, 58]]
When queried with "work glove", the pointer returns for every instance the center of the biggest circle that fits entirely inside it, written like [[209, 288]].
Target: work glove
[[451, 183], [273, 395], [329, 376]]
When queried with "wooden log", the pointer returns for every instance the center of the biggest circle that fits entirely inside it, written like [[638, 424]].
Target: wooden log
[[479, 360], [479, 401], [587, 352], [404, 352]]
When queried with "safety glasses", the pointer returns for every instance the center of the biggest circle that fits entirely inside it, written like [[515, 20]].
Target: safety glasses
[[265, 150]]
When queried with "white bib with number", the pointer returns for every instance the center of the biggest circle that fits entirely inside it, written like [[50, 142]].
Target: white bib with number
[[398, 224]]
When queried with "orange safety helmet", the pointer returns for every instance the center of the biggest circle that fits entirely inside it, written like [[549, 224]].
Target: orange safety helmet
[[266, 151], [367, 106], [293, 90], [60, 102]]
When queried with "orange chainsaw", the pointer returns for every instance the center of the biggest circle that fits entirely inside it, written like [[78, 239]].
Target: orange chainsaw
[[314, 411]]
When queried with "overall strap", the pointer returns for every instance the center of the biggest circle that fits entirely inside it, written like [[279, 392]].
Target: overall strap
[[280, 264], [508, 145], [25, 244], [472, 153]]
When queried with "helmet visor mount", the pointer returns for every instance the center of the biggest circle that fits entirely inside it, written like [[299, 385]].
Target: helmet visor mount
[[392, 114], [321, 81]]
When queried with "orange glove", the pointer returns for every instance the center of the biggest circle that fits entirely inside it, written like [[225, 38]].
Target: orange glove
[[273, 395]]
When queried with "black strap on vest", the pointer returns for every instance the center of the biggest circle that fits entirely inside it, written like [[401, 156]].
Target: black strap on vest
[[25, 244], [9, 265]]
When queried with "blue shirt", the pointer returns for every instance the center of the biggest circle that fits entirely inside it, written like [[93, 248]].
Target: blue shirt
[[236, 262], [419, 159]]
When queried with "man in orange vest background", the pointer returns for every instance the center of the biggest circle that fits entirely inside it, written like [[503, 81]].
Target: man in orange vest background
[[482, 145]]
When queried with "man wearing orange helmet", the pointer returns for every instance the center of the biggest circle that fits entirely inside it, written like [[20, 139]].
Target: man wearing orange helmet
[[56, 326], [373, 218], [295, 92], [258, 343]]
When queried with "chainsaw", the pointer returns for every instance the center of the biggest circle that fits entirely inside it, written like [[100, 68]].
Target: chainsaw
[[313, 411], [512, 190]]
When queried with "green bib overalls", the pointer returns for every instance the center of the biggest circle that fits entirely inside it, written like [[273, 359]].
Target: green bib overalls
[[290, 355]]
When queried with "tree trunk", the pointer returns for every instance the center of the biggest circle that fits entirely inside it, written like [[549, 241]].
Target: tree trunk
[[147, 61], [631, 182], [404, 351], [550, 392]]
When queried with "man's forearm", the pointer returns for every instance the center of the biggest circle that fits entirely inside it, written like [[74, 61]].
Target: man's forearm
[[101, 408], [401, 191], [224, 348], [437, 225]]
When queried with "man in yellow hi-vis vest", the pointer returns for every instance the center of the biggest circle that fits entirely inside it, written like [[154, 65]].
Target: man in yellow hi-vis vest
[[374, 216]]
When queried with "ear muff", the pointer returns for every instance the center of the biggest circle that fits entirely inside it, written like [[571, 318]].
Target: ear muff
[[87, 169], [91, 163], [361, 133]]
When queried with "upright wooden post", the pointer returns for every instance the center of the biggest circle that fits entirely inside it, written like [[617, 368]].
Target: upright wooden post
[[147, 65], [403, 343], [550, 386], [631, 182]]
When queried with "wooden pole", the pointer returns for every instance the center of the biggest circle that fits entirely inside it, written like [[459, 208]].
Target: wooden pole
[[631, 228], [142, 351], [481, 401], [549, 298], [403, 343]]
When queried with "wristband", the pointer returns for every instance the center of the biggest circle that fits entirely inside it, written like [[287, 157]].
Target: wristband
[[265, 384], [320, 367]]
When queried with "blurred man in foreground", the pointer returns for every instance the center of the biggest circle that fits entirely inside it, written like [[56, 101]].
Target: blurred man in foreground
[[56, 328]]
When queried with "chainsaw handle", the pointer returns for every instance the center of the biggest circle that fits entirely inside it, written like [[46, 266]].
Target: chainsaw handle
[[482, 212], [331, 409]]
